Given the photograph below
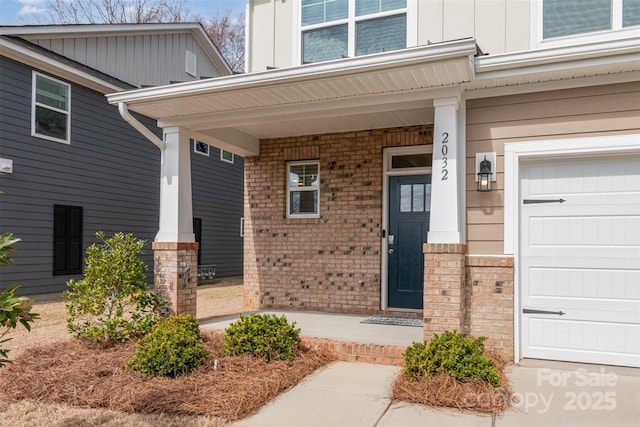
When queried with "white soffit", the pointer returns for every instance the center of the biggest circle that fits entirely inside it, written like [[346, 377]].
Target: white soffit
[[356, 83]]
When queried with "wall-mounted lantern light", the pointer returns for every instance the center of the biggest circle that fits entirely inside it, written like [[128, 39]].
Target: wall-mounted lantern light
[[484, 170]]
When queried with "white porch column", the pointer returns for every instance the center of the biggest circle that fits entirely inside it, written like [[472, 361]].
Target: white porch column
[[176, 217], [448, 161]]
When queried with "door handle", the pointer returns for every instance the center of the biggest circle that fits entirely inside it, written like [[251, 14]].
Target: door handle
[[391, 251], [532, 311]]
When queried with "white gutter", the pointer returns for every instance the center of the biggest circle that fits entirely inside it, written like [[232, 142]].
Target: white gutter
[[554, 55], [124, 112]]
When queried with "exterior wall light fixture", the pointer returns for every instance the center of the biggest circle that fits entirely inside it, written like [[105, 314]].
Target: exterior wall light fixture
[[484, 172]]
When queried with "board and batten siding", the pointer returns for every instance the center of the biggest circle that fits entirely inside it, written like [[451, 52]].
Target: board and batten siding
[[150, 59], [597, 110], [218, 188], [499, 26]]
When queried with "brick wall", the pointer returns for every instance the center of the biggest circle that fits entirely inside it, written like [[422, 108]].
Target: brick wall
[[176, 275], [489, 301], [444, 296], [332, 263]]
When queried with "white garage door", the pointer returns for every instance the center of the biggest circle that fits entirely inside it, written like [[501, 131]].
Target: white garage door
[[580, 260]]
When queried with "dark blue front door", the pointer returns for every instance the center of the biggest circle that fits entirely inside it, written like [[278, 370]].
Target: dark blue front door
[[409, 203]]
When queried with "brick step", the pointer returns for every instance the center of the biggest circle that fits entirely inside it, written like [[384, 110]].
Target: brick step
[[380, 354]]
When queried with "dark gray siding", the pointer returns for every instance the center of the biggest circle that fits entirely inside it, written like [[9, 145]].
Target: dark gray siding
[[218, 200], [108, 169]]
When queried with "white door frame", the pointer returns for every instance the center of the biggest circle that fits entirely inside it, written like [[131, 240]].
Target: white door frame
[[514, 154], [388, 171]]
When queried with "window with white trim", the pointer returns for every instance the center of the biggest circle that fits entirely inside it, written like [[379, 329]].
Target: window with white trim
[[303, 189], [227, 156], [333, 29], [562, 21], [50, 108]]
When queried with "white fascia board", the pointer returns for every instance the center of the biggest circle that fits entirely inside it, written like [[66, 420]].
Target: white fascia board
[[80, 30], [556, 58], [207, 44], [57, 68], [369, 63], [546, 86]]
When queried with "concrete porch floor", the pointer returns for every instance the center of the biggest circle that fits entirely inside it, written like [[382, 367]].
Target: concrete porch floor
[[342, 334]]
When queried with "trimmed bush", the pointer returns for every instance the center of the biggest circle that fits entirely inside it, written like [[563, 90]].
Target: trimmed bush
[[111, 303], [173, 347], [460, 356], [264, 335]]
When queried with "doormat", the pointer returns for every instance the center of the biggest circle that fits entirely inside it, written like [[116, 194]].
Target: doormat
[[394, 321]]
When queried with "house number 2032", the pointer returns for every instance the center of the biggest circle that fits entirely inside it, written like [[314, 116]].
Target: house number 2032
[[445, 150]]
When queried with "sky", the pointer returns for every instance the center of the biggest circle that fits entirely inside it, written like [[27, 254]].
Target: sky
[[23, 12]]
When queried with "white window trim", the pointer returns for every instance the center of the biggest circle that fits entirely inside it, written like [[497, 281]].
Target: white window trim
[[615, 32], [200, 152], [34, 104], [233, 156], [289, 190], [411, 12], [514, 154]]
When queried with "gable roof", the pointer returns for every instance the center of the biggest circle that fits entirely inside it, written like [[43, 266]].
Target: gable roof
[[60, 66], [72, 31]]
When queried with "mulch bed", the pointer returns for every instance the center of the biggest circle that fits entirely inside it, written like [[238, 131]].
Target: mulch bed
[[447, 392], [86, 376]]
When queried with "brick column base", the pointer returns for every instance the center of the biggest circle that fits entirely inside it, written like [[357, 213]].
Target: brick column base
[[489, 301], [176, 275], [444, 279]]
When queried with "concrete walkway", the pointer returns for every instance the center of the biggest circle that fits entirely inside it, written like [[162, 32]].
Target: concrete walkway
[[547, 394]]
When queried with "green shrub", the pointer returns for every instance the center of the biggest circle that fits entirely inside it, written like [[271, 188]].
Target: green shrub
[[111, 303], [264, 335], [173, 347], [459, 355], [14, 310]]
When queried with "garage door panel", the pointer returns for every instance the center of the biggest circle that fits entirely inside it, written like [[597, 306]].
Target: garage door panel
[[592, 342], [571, 231], [581, 257], [580, 176], [585, 283]]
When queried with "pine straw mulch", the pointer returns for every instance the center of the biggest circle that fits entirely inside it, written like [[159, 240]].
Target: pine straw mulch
[[444, 391], [85, 376]]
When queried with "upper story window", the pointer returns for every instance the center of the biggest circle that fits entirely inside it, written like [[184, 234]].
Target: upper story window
[[334, 29], [562, 22], [50, 108]]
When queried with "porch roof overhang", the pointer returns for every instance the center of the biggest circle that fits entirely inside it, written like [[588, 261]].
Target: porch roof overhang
[[376, 91]]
